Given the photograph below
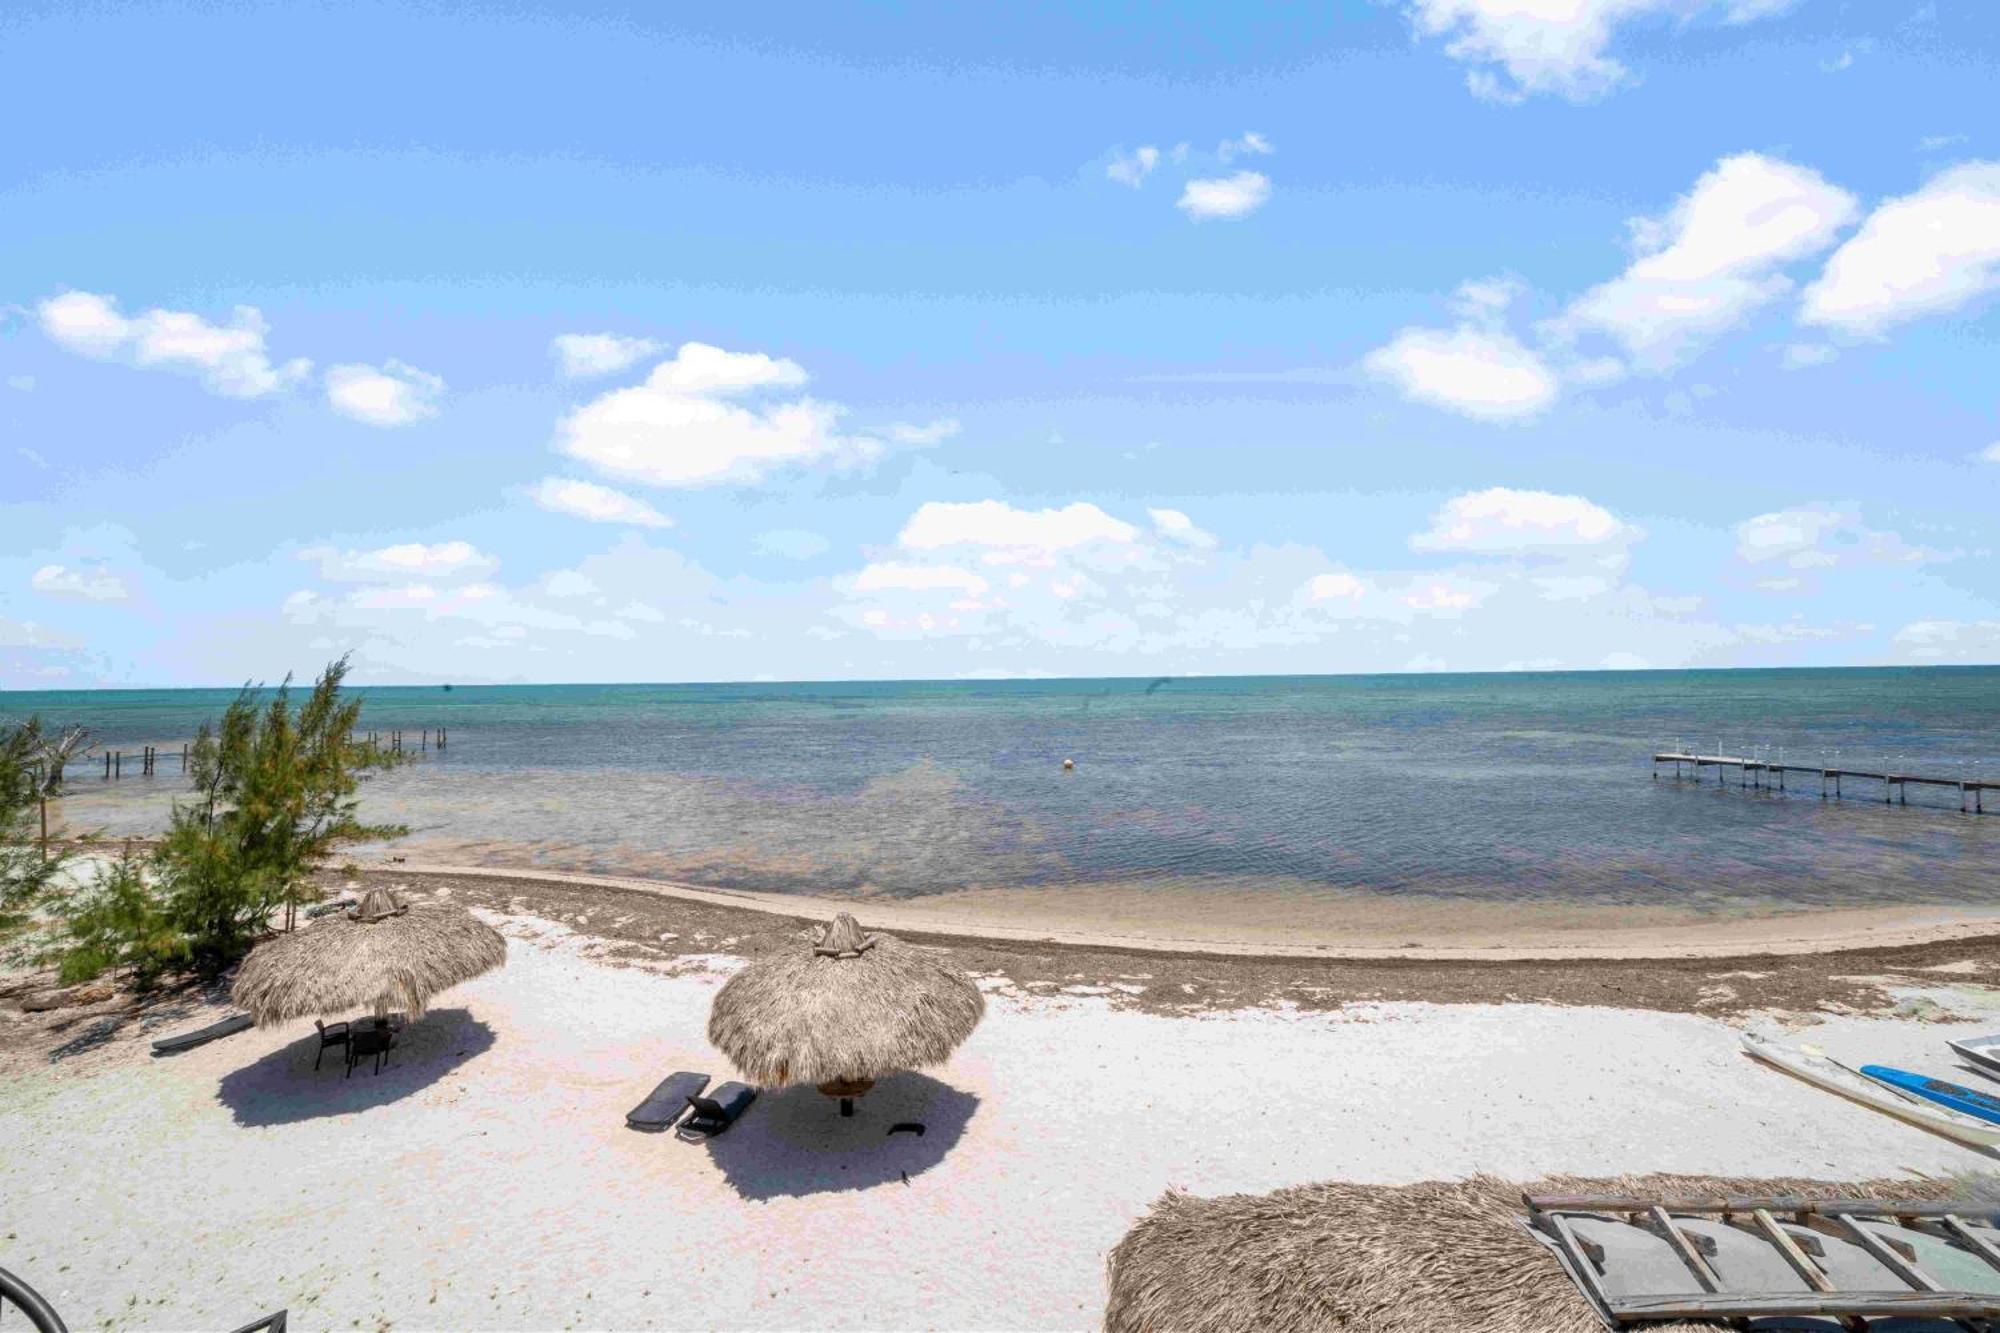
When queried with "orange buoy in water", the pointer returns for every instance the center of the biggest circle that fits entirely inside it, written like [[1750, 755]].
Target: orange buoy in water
[[1069, 765]]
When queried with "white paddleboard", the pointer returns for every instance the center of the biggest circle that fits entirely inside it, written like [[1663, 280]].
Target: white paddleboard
[[1817, 1069]]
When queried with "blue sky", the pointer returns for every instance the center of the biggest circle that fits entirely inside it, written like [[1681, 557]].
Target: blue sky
[[602, 342]]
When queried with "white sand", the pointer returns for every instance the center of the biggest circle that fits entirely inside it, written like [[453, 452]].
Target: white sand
[[487, 1179]]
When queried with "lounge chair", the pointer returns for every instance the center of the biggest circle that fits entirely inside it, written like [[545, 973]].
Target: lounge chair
[[714, 1115], [187, 1041], [337, 1035], [374, 1041], [668, 1102]]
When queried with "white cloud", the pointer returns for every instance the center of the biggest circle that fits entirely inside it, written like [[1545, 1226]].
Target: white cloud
[[1715, 258], [1950, 640], [680, 428], [582, 355], [1338, 586], [1925, 253], [21, 383], [1224, 196], [1519, 48], [1012, 535], [393, 394], [1820, 536], [1446, 596], [1990, 454], [229, 359], [931, 432], [82, 585], [1251, 143], [701, 369], [1177, 527], [1133, 168], [598, 504], [891, 576], [1500, 521], [410, 560], [1480, 372]]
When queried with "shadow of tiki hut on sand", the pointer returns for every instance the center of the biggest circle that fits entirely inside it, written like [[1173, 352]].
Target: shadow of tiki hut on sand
[[843, 1013], [383, 953]]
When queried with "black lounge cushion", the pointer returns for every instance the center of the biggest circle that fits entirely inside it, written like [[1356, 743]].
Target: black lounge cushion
[[666, 1103], [187, 1041], [713, 1115]]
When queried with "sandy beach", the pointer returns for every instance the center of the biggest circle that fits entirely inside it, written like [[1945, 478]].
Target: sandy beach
[[486, 1178]]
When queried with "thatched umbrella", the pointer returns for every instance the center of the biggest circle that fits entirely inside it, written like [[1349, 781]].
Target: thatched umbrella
[[1417, 1258], [843, 1013], [382, 952]]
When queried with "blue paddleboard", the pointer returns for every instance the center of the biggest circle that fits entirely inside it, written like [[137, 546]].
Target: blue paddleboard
[[1969, 1100]]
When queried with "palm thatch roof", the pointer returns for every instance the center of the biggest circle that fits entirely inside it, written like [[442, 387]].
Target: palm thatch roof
[[1388, 1258], [383, 952], [851, 1008]]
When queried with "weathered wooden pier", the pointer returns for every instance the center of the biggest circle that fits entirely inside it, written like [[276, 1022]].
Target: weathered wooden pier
[[1753, 772], [146, 761]]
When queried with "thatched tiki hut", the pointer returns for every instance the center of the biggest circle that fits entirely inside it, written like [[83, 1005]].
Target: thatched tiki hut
[[843, 1013], [1340, 1257], [382, 952]]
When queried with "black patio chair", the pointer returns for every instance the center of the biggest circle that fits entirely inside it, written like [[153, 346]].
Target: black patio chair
[[375, 1041], [336, 1035]]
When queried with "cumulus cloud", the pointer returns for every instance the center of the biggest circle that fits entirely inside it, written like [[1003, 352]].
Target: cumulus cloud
[[392, 394], [598, 504], [1820, 536], [893, 576], [1950, 640], [582, 355], [1990, 454], [685, 426], [1012, 536], [1509, 522], [229, 359], [79, 584], [1250, 143], [1234, 196], [1518, 50], [931, 432], [1480, 372], [1133, 168], [1713, 259], [1177, 527], [409, 560], [1337, 586], [1926, 253], [1530, 575]]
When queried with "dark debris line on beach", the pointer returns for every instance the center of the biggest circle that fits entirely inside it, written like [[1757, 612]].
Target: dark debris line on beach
[[656, 927]]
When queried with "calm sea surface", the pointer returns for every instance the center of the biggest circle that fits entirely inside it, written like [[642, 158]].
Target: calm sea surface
[[1510, 786]]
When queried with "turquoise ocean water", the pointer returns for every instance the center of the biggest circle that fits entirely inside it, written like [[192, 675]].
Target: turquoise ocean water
[[1490, 786]]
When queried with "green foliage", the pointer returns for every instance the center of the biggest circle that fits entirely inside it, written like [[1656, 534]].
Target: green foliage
[[119, 922], [27, 877], [276, 795]]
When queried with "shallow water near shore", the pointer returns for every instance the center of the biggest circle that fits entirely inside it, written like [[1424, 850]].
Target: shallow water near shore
[[1238, 796]]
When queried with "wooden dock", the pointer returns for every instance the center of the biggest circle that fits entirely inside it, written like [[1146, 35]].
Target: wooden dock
[[1766, 773], [146, 761]]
